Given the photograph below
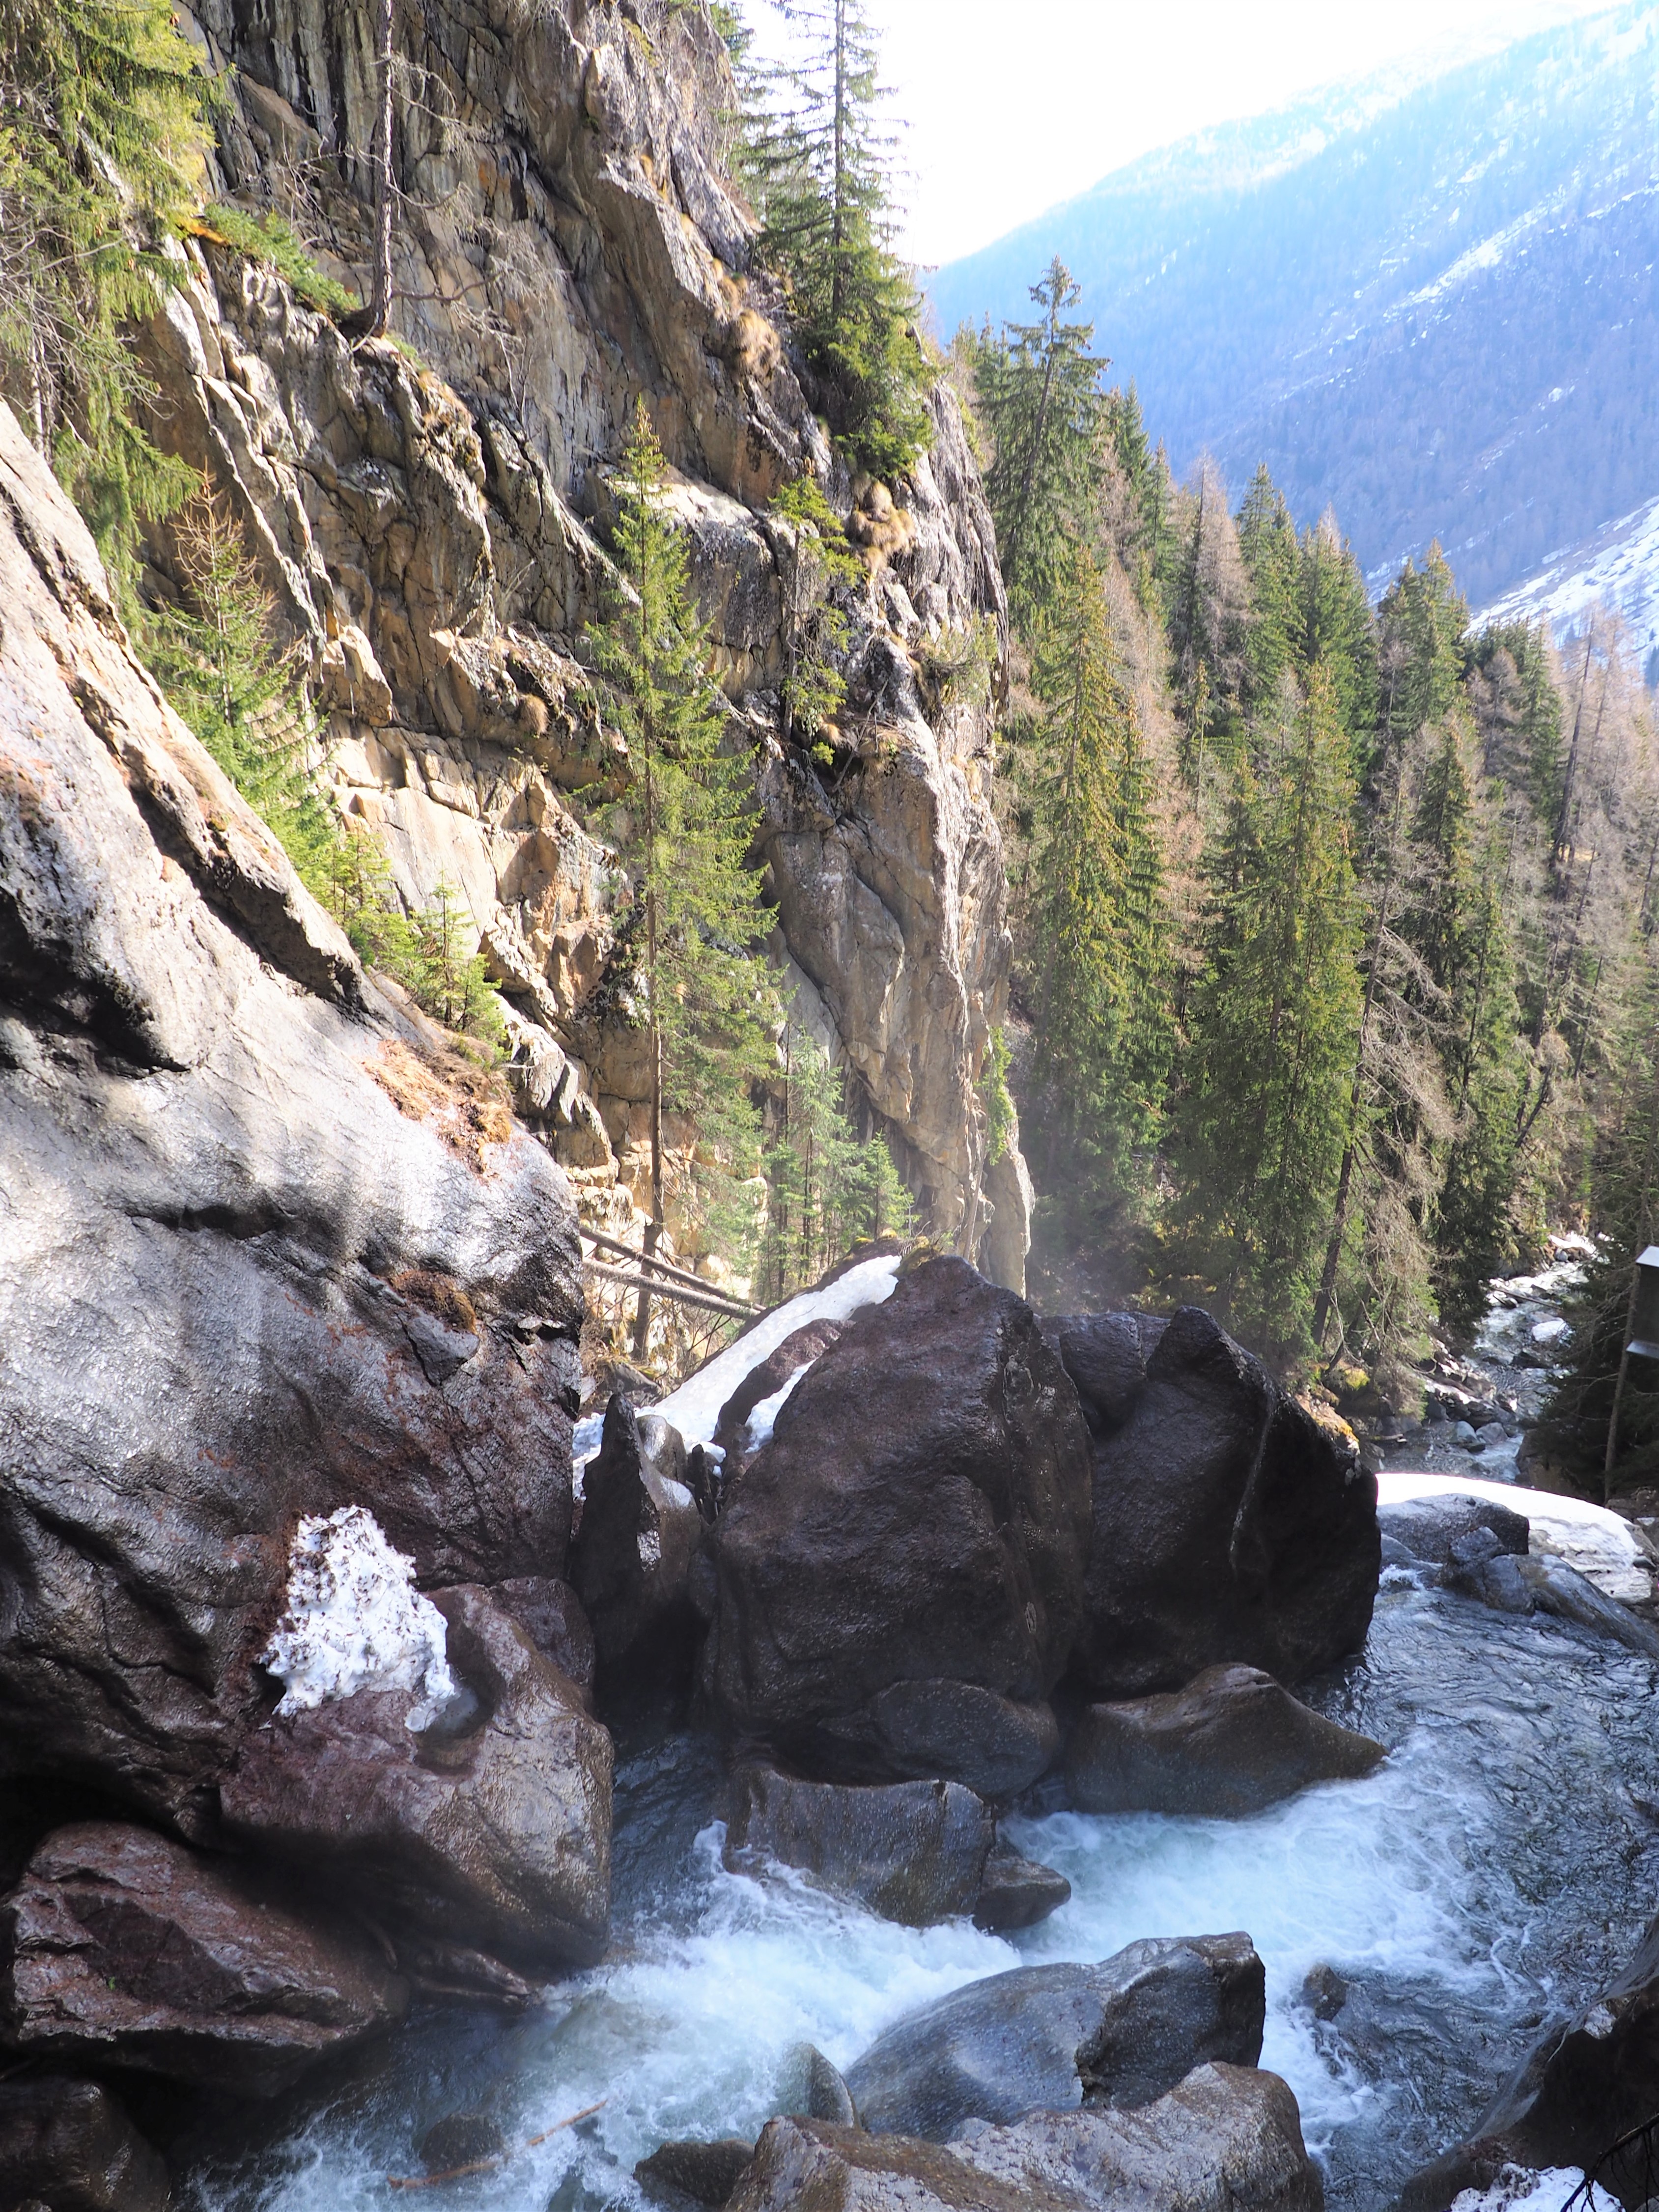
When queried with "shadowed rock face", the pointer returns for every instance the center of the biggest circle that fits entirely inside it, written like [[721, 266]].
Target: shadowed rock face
[[1229, 1523], [122, 1947], [919, 1521], [1232, 1741], [639, 1527], [1226, 2138], [497, 1836], [1049, 2039], [271, 1245], [69, 2146]]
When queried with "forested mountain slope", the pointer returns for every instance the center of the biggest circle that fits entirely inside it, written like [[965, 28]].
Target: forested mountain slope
[[1435, 309]]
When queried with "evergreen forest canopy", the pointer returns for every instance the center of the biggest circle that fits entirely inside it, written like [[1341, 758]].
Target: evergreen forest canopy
[[1335, 923]]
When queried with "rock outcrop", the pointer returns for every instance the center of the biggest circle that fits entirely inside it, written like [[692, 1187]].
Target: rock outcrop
[[1225, 2138], [632, 1556], [1229, 1523], [1051, 2039], [121, 1947], [433, 530], [1232, 1741], [900, 1569], [67, 2145], [272, 1245]]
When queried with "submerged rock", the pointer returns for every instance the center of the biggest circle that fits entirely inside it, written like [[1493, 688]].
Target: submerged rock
[[1049, 2039], [1231, 1742], [497, 1835], [920, 1521], [1225, 2138], [69, 2146], [461, 2139], [912, 1851], [1229, 1523], [122, 1948]]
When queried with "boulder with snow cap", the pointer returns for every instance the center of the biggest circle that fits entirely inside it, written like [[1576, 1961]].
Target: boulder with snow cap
[[919, 1521], [763, 1381], [1230, 1523], [122, 1947], [489, 1827]]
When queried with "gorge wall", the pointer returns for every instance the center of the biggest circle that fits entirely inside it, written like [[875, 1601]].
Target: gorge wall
[[429, 516]]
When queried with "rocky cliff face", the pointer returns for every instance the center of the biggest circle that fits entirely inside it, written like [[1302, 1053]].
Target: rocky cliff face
[[433, 530]]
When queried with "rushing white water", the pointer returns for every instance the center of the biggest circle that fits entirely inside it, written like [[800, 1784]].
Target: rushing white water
[[1495, 1869]]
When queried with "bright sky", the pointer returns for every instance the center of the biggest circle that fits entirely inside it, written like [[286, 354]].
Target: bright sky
[[1012, 108]]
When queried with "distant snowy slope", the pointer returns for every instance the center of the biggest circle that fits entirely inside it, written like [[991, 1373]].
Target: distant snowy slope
[[1619, 568], [1434, 306]]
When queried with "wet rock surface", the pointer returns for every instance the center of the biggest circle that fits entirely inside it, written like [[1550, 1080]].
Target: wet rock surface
[[68, 2146], [1049, 2039], [918, 1518], [1226, 2138], [912, 1851], [1017, 1892], [706, 2172], [497, 1836], [1229, 1523], [122, 1949], [632, 1555], [1231, 1742]]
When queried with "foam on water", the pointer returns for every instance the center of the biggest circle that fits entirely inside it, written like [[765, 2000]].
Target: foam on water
[[1447, 1890]]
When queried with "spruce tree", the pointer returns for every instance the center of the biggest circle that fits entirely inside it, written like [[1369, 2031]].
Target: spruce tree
[[102, 138], [1267, 542], [1269, 1063], [682, 833], [818, 160], [1334, 629], [1039, 394], [1103, 1036]]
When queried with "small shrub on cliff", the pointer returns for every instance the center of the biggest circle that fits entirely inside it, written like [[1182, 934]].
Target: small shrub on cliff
[[814, 628], [102, 135], [268, 239]]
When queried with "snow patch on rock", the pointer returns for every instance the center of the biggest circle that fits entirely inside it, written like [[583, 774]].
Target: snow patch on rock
[[354, 1620], [1522, 2189], [1603, 1546]]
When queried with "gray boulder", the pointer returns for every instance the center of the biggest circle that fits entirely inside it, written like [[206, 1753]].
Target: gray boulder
[[1017, 1892], [640, 1529], [1231, 1522], [497, 1835], [271, 1244], [1427, 1527], [1051, 2039], [122, 1948], [903, 1564], [1231, 1742], [1226, 2139], [707, 2172], [912, 1851]]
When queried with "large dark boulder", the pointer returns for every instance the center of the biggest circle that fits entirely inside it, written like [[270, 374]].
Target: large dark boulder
[[1049, 2039], [1226, 2139], [271, 1244], [68, 2146], [912, 1851], [1230, 1522], [122, 1947], [1232, 1741], [918, 1522], [495, 1834], [640, 1529]]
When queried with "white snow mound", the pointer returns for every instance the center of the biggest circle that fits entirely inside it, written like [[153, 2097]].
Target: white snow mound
[[1519, 2189], [355, 1620], [1604, 1548], [694, 1407]]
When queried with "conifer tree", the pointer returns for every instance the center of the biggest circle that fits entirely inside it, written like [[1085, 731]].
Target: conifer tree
[[102, 138], [1039, 395], [1423, 620], [1103, 1036], [1266, 541], [1207, 612], [683, 833], [819, 162], [1334, 631], [1269, 1062]]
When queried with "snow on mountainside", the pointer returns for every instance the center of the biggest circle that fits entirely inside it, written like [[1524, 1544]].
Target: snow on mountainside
[[1618, 569], [1433, 305]]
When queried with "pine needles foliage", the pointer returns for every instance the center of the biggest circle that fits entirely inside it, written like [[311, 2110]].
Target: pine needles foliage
[[103, 130]]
